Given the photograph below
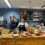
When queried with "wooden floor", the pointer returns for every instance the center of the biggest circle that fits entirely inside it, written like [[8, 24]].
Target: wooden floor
[[23, 41]]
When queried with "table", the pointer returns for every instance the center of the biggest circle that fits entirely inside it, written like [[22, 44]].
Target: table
[[23, 41]]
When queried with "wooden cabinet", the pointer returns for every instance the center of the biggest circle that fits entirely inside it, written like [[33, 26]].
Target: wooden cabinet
[[23, 41]]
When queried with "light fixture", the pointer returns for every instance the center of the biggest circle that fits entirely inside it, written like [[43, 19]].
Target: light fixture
[[7, 2], [36, 7], [43, 6]]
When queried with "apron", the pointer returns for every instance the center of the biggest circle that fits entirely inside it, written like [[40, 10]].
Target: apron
[[13, 26], [22, 28]]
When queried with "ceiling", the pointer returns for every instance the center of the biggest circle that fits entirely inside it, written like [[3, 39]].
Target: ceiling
[[3, 4], [23, 3]]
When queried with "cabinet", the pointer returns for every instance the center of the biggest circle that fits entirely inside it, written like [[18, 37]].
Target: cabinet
[[36, 17]]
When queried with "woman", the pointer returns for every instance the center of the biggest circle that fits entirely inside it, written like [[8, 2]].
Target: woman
[[22, 25], [13, 24]]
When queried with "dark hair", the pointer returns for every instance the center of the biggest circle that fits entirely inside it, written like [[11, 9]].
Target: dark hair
[[13, 16], [22, 18]]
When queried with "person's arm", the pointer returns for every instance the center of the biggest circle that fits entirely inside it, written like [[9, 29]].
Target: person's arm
[[16, 29], [26, 26], [17, 25]]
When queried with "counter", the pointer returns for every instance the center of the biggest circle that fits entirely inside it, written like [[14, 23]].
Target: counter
[[23, 41]]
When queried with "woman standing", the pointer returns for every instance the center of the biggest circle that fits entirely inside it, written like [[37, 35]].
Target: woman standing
[[22, 25], [13, 24]]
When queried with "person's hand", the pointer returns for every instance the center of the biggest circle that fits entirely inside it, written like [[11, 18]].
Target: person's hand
[[16, 30]]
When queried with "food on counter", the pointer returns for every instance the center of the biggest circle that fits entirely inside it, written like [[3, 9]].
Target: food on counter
[[14, 35], [31, 31], [24, 33], [6, 35], [30, 28], [36, 31], [5, 31], [16, 31], [39, 33], [1, 28]]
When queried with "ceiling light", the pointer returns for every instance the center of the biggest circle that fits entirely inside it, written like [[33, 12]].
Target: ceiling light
[[7, 2], [43, 6], [36, 7]]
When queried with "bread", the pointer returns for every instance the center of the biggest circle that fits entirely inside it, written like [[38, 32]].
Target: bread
[[30, 28], [6, 35], [1, 28]]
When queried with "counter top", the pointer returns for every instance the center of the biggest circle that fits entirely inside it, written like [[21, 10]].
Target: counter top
[[23, 41]]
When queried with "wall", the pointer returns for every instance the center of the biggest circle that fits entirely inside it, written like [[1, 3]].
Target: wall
[[11, 13], [6, 13]]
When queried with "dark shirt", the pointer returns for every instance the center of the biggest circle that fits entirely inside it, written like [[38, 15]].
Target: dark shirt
[[13, 25]]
